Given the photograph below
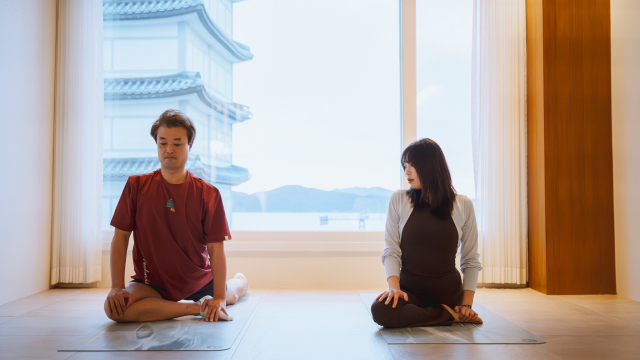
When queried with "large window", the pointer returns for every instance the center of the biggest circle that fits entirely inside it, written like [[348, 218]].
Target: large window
[[296, 105], [324, 141], [443, 57]]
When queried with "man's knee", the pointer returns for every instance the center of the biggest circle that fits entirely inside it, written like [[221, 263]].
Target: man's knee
[[117, 318], [112, 314]]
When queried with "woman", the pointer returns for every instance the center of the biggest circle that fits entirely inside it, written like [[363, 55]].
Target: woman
[[424, 227]]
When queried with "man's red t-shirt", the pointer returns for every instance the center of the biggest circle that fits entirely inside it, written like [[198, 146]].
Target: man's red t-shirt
[[171, 224]]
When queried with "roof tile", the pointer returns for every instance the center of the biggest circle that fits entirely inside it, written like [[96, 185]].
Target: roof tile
[[118, 169], [172, 85]]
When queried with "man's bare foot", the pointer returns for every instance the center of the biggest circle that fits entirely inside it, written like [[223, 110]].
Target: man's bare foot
[[237, 287], [241, 280], [456, 316]]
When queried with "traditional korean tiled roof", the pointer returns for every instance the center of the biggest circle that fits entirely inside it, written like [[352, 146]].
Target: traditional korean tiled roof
[[111, 7], [121, 168], [172, 85], [154, 9]]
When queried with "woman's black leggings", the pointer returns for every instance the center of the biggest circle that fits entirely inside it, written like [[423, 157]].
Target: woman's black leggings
[[424, 307]]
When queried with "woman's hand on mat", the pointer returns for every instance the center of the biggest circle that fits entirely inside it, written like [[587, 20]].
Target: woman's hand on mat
[[215, 305], [466, 314], [119, 300], [393, 294]]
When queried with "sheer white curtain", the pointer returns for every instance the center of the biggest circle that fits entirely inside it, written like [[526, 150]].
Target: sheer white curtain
[[76, 232], [499, 123]]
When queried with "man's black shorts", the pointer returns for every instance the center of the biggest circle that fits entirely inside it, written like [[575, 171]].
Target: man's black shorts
[[206, 290]]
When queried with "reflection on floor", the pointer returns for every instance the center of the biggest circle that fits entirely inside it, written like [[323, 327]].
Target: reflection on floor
[[327, 324]]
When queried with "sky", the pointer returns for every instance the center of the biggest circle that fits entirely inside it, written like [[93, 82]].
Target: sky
[[443, 56], [324, 89]]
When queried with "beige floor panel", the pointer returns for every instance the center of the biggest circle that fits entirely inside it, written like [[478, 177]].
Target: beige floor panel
[[51, 326], [469, 351], [311, 296], [55, 294], [35, 301], [258, 292], [558, 310], [524, 300], [39, 347], [311, 308], [313, 330], [303, 345], [525, 294], [318, 325], [610, 305], [594, 347], [19, 307], [589, 298], [91, 294], [70, 308], [567, 320]]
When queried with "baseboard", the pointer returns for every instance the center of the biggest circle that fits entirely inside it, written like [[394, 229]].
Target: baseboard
[[502, 286], [75, 286]]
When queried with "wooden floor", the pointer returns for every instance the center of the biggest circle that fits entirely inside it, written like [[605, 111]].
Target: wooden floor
[[326, 324]]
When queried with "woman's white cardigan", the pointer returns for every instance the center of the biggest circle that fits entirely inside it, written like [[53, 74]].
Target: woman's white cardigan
[[465, 220]]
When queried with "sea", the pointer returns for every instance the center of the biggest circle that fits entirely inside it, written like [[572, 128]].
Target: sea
[[292, 221]]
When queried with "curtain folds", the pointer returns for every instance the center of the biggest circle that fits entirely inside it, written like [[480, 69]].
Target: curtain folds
[[499, 123], [76, 249]]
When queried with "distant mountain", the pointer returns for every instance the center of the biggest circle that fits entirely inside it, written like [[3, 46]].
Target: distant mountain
[[295, 198], [245, 202], [366, 191]]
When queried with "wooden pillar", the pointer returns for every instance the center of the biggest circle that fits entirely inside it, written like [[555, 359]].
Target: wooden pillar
[[570, 164]]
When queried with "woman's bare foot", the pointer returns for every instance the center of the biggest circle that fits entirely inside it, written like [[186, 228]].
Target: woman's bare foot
[[456, 316]]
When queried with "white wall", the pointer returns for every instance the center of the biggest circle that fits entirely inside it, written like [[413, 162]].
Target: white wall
[[294, 259], [299, 270], [27, 53], [625, 82]]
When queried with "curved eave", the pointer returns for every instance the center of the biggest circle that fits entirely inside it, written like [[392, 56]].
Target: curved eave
[[236, 112], [231, 175], [237, 50], [224, 180], [119, 169]]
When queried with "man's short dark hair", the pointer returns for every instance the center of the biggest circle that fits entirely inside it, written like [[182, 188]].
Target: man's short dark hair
[[174, 118]]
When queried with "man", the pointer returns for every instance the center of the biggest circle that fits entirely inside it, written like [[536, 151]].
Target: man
[[179, 226]]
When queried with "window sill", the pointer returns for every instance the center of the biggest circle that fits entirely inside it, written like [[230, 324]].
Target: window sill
[[293, 241]]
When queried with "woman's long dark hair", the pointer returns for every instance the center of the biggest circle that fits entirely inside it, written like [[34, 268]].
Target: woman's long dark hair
[[437, 191]]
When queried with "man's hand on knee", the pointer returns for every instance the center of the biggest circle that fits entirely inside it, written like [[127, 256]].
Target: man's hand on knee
[[118, 300]]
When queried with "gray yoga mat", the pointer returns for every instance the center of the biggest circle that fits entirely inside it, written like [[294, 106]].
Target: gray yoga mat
[[495, 330], [186, 333]]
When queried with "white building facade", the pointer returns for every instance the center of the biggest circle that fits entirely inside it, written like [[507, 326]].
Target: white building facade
[[160, 55]]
